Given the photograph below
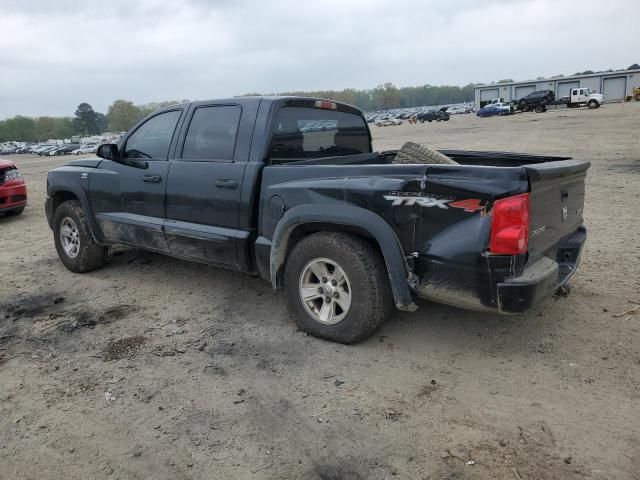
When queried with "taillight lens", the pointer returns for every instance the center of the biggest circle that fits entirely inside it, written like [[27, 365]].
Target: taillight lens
[[510, 225]]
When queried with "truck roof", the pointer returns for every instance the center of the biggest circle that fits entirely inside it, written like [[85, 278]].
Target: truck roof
[[284, 100]]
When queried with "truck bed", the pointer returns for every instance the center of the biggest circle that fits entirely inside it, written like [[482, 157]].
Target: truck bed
[[441, 215]]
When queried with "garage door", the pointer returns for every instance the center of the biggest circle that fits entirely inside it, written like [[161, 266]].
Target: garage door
[[489, 94], [524, 90], [564, 88], [614, 88]]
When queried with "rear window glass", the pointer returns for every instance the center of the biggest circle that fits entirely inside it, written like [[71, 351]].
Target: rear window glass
[[301, 133]]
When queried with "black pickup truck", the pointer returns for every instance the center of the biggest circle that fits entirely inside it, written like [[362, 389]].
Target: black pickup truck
[[289, 189]]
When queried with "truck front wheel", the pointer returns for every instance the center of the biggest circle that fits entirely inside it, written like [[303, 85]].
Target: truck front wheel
[[337, 287], [76, 247], [593, 104]]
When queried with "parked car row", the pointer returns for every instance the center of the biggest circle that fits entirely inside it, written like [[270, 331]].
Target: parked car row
[[421, 114], [47, 149]]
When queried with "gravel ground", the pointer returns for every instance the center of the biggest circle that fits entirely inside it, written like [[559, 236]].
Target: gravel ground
[[157, 368]]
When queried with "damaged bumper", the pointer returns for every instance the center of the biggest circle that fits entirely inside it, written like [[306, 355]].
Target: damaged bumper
[[542, 279], [493, 289]]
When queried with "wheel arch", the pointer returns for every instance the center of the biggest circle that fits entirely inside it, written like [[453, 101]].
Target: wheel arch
[[63, 193], [305, 220]]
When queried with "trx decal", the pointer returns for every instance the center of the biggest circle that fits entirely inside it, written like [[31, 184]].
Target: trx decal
[[411, 198], [400, 198]]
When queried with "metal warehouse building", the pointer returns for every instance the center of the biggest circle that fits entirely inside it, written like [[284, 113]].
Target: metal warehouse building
[[615, 86]]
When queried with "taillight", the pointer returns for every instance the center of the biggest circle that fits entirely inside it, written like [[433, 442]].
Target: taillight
[[510, 225]]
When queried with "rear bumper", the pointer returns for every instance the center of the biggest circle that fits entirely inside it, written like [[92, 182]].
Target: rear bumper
[[537, 282], [12, 196], [493, 289], [543, 278]]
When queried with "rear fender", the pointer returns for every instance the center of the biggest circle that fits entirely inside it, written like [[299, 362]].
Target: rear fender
[[348, 216]]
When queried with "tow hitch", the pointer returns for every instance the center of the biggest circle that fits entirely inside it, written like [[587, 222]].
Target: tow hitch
[[563, 290]]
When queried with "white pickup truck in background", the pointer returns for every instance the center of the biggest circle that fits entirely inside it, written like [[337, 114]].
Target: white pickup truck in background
[[579, 97]]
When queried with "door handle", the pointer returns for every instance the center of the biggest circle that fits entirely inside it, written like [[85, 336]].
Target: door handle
[[152, 178], [226, 183]]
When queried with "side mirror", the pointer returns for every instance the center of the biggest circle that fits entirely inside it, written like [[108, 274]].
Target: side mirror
[[108, 151]]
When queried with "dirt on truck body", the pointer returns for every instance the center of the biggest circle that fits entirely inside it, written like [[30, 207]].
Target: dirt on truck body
[[158, 367], [291, 189]]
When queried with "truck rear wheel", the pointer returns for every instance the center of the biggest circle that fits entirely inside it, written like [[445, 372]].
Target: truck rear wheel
[[337, 287], [76, 247]]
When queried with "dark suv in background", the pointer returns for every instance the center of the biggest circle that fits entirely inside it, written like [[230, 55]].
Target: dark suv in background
[[437, 115], [534, 98]]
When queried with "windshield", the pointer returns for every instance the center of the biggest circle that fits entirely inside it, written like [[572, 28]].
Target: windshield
[[314, 133]]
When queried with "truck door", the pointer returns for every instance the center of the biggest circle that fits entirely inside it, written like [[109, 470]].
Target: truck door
[[205, 184], [575, 97], [127, 197]]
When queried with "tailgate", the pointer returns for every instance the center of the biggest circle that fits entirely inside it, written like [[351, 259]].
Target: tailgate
[[556, 203]]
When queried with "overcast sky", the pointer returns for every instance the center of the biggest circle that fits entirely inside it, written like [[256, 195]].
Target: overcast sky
[[55, 54]]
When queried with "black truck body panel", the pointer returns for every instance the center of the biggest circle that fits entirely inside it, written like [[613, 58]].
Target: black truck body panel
[[431, 223]]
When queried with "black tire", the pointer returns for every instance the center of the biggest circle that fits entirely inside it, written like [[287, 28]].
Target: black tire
[[15, 212], [90, 255], [540, 108], [371, 297], [592, 104]]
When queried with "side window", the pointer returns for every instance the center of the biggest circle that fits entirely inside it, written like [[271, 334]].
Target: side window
[[152, 139], [575, 92], [212, 133]]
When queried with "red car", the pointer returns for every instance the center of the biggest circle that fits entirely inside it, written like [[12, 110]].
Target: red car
[[13, 191]]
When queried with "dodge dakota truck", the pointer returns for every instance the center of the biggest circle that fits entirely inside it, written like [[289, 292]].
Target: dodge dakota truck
[[290, 189]]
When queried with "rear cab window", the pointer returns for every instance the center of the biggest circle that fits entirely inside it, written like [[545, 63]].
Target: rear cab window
[[306, 133], [212, 133]]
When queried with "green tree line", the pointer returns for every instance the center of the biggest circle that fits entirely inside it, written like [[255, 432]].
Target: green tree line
[[121, 115], [387, 96]]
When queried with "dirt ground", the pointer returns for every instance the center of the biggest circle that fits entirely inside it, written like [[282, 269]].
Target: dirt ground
[[157, 368]]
